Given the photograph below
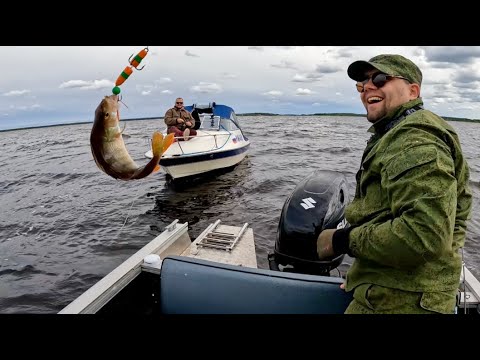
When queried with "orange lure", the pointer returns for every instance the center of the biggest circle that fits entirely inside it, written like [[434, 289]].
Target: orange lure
[[133, 64]]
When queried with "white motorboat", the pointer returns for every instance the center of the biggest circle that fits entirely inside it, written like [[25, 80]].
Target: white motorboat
[[217, 273], [220, 143]]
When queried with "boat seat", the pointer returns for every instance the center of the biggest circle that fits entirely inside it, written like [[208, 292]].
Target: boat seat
[[195, 286]]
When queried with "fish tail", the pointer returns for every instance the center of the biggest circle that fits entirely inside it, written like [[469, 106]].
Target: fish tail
[[168, 141], [160, 145], [157, 147]]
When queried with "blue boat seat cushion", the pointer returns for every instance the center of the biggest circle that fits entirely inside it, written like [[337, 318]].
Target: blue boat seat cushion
[[194, 286]]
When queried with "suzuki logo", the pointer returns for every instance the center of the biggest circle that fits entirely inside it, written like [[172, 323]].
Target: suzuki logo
[[308, 203], [342, 224]]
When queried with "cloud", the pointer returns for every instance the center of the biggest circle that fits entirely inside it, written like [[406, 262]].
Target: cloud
[[164, 80], [327, 69], [345, 53], [451, 54], [167, 92], [301, 91], [229, 76], [284, 64], [32, 107], [466, 77], [208, 88], [188, 53], [273, 93], [308, 77], [87, 85], [16, 93]]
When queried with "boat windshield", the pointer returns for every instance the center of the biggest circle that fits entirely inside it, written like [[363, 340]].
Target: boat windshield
[[209, 122], [228, 125]]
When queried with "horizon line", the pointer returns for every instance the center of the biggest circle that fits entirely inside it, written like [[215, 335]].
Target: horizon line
[[447, 118]]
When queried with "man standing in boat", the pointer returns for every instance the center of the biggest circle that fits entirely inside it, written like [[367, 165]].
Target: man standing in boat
[[412, 201], [180, 121]]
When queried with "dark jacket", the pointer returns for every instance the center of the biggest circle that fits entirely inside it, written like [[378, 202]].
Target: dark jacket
[[173, 114]]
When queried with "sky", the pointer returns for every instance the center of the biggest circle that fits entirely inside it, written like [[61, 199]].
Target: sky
[[47, 85]]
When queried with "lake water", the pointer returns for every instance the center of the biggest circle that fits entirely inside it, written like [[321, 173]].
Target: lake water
[[64, 224]]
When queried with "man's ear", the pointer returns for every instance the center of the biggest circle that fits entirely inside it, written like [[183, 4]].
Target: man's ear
[[414, 91]]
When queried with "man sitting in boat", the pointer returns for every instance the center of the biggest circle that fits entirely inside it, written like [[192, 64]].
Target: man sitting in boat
[[180, 121]]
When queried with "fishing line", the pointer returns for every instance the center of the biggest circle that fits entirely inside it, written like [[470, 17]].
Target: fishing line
[[131, 205]]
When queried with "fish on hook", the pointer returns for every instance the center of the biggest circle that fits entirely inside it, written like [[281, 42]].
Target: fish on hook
[[109, 150]]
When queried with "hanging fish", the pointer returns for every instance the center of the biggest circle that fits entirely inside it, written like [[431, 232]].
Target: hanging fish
[[108, 147]]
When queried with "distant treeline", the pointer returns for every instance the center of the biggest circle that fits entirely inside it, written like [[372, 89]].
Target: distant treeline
[[316, 114], [448, 118], [244, 114]]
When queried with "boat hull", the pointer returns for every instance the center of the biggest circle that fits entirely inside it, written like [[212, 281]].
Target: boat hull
[[204, 153], [199, 164]]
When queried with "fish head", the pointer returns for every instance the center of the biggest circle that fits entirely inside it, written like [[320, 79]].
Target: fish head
[[107, 111]]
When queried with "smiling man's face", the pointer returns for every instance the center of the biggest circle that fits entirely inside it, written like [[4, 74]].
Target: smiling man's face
[[378, 101]]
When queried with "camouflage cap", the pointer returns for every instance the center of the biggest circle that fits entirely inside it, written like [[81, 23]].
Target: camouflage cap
[[388, 64]]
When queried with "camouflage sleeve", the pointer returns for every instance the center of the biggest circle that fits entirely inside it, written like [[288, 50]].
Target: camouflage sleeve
[[170, 120], [422, 191]]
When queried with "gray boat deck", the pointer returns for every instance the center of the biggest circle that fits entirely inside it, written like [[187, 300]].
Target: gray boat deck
[[242, 253]]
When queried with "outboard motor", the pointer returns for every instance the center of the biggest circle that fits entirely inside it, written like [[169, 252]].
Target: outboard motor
[[317, 203]]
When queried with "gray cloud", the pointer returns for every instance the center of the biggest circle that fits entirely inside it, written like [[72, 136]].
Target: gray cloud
[[189, 53], [328, 69], [284, 64], [451, 54]]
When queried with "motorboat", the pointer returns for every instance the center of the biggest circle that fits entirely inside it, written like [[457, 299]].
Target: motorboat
[[217, 272], [220, 143]]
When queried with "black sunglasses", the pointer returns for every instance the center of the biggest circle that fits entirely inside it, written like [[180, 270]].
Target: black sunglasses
[[179, 102], [378, 80]]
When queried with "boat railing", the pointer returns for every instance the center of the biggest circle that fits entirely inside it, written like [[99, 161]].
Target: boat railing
[[216, 145]]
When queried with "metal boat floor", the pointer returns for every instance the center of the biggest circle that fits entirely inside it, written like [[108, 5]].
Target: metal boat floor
[[242, 253]]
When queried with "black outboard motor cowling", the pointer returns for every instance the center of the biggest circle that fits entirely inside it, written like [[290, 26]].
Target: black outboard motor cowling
[[317, 203]]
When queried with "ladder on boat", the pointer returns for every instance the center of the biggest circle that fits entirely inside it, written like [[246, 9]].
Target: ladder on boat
[[212, 238]]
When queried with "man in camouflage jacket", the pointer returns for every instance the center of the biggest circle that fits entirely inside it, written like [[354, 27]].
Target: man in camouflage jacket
[[412, 200]]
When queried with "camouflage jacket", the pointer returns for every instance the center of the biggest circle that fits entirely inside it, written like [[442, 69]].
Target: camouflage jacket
[[173, 114], [411, 204]]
